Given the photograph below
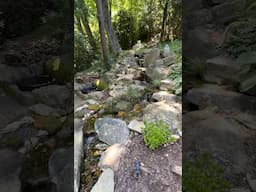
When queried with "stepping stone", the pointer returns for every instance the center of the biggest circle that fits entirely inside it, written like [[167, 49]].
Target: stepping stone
[[105, 182], [111, 130], [215, 95]]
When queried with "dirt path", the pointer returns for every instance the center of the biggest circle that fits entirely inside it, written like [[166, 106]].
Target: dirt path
[[156, 168]]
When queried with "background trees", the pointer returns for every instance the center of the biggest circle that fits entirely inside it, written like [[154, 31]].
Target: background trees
[[124, 22]]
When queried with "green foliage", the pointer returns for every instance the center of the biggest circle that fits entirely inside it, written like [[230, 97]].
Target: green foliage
[[176, 74], [242, 38], [125, 27], [247, 75], [156, 134], [203, 174]]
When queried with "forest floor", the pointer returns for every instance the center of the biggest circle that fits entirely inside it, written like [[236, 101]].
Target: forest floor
[[139, 89]]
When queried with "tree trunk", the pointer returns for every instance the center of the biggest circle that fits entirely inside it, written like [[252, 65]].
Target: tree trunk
[[89, 32], [113, 40], [102, 34], [165, 14]]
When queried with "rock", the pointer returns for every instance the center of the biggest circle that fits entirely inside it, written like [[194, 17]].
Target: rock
[[152, 56], [156, 73], [167, 61], [118, 91], [135, 92], [122, 106], [61, 169], [228, 12], [170, 114], [221, 70], [43, 110], [10, 168], [50, 124], [53, 95], [111, 157], [111, 130], [136, 125], [198, 45], [223, 138], [15, 134], [226, 100], [105, 182], [165, 96], [166, 85], [177, 170], [78, 151], [251, 182], [167, 51]]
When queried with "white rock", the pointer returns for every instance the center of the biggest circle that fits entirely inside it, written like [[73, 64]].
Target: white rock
[[177, 170], [105, 183], [136, 125], [111, 157], [167, 51]]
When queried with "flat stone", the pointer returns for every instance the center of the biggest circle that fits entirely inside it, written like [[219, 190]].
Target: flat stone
[[226, 100], [165, 96], [111, 130], [221, 70], [111, 157], [166, 85], [53, 95], [136, 125], [43, 110], [105, 182]]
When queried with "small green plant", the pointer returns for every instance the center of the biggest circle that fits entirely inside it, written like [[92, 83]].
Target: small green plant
[[156, 134], [203, 174]]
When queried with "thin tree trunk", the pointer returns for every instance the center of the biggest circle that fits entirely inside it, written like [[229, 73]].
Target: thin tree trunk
[[89, 32], [113, 40], [102, 34], [165, 14]]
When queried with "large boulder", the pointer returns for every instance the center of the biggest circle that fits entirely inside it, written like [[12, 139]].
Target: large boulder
[[112, 131], [53, 95], [221, 70], [170, 114], [214, 95], [224, 138], [152, 56]]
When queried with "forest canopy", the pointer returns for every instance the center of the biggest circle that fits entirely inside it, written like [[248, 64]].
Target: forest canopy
[[125, 22]]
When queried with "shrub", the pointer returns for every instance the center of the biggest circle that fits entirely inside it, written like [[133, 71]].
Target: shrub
[[125, 27], [156, 134], [203, 174]]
